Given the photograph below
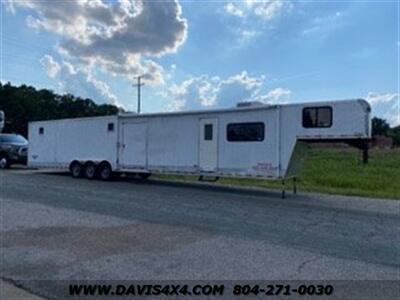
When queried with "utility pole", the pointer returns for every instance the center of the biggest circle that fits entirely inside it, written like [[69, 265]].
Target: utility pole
[[138, 85]]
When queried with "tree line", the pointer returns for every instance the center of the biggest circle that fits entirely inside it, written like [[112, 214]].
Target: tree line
[[381, 127], [23, 104]]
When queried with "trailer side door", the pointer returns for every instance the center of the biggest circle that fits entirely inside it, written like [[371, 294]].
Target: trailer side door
[[208, 146], [133, 150]]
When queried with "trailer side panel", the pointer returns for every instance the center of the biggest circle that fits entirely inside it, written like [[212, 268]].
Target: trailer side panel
[[57, 143]]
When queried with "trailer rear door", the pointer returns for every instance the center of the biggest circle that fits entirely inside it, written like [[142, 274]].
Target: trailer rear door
[[133, 151], [208, 156]]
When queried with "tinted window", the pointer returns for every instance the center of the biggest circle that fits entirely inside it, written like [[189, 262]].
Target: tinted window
[[208, 132], [41, 130], [245, 132], [12, 138], [110, 126], [314, 117]]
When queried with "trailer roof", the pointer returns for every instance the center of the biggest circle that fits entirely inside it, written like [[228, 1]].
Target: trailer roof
[[232, 109], [76, 119]]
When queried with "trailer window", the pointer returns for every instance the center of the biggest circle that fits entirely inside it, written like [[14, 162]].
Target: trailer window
[[208, 132], [110, 127], [41, 130], [245, 132], [317, 117]]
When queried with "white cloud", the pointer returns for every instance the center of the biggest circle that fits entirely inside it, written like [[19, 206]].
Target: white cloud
[[9, 4], [264, 10], [193, 93], [321, 26], [245, 36], [374, 98], [278, 95], [205, 91], [385, 106], [238, 88], [254, 17], [269, 10], [119, 36], [232, 9], [394, 116], [78, 81], [51, 67]]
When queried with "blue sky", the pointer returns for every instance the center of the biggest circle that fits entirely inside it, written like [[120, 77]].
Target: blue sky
[[201, 54]]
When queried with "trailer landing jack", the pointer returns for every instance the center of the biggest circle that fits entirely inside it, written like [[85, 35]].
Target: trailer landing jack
[[294, 181]]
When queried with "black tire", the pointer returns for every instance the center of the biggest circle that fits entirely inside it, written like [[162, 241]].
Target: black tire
[[105, 171], [90, 170], [76, 169], [4, 161]]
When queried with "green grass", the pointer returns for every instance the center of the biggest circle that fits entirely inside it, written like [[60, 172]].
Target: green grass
[[336, 171]]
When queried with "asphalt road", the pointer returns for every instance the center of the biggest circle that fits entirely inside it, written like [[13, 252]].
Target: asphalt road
[[56, 227]]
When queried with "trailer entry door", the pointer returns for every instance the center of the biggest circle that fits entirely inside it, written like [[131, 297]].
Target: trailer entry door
[[133, 151], [208, 156]]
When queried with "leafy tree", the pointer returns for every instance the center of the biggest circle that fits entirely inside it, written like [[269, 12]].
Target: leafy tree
[[380, 127], [25, 103], [394, 133]]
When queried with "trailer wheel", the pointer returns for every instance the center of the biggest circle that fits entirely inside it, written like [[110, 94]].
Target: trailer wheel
[[90, 170], [4, 161], [105, 171], [76, 169]]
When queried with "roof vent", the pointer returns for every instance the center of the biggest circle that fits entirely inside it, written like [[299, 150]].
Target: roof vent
[[249, 104]]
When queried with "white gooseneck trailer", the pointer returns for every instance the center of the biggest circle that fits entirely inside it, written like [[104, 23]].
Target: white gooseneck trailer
[[250, 141]]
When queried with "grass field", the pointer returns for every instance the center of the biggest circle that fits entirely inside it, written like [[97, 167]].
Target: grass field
[[337, 171]]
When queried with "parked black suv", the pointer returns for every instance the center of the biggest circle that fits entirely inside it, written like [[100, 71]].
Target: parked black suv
[[13, 150]]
